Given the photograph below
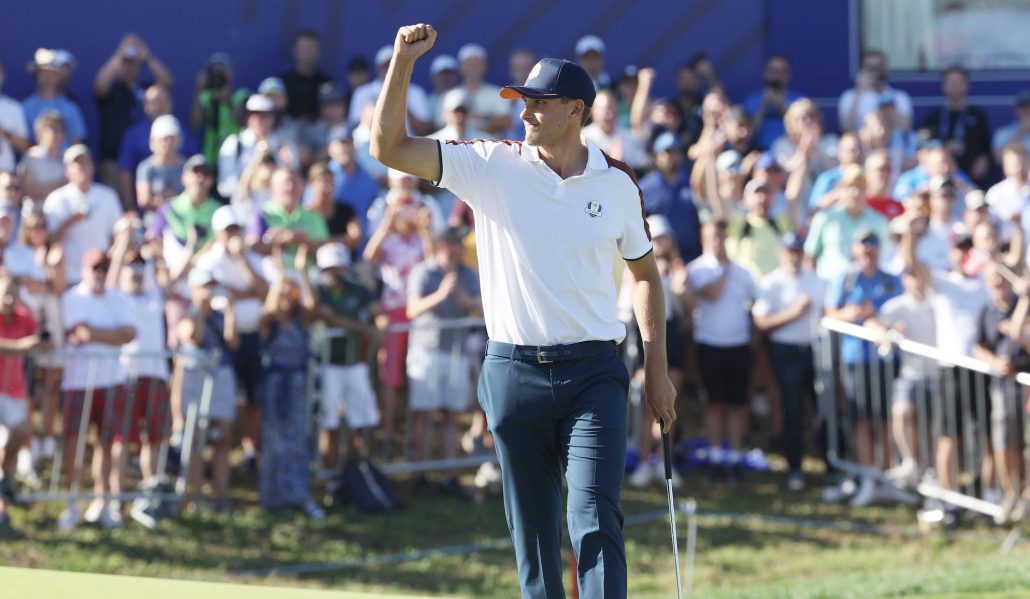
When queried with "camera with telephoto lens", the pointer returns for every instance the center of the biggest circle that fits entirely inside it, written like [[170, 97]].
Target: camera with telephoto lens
[[216, 76]]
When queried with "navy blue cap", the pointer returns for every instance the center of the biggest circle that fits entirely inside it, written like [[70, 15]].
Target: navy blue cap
[[554, 78], [767, 161], [666, 142], [792, 241]]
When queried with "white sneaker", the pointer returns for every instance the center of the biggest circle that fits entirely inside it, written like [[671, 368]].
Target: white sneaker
[[488, 474], [866, 495], [313, 511], [138, 512], [907, 473], [70, 518], [25, 462], [111, 515], [95, 511], [642, 476]]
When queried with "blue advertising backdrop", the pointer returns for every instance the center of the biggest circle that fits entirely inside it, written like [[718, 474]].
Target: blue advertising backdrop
[[737, 34]]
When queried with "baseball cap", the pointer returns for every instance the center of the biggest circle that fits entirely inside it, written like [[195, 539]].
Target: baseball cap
[[792, 241], [94, 258], [260, 103], [221, 59], [131, 53], [1023, 98], [471, 50], [225, 217], [975, 199], [444, 62], [272, 85], [340, 133], [590, 43], [666, 142], [75, 152], [165, 125], [454, 235], [767, 161], [47, 58], [554, 78], [728, 161], [384, 55], [196, 161], [199, 277], [455, 99], [866, 236], [629, 71], [332, 255], [756, 185], [885, 99], [941, 185], [329, 92], [658, 225]]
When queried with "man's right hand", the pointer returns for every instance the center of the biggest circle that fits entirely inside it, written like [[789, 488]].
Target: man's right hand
[[413, 41]]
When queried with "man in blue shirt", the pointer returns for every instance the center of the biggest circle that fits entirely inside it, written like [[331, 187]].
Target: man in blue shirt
[[353, 185], [934, 161], [855, 296], [666, 192], [768, 105], [50, 68]]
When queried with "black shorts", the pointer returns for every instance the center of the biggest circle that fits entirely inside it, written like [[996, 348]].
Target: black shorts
[[246, 363], [725, 373], [866, 387]]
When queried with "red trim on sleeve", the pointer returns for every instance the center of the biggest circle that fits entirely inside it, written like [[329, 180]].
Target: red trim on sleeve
[[622, 166]]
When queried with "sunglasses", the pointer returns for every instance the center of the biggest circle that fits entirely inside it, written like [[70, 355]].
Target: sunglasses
[[100, 268]]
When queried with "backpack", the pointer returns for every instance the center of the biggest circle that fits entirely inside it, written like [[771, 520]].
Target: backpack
[[366, 487]]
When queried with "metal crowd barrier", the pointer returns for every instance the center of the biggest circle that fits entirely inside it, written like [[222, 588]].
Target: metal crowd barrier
[[195, 423], [465, 360], [953, 413]]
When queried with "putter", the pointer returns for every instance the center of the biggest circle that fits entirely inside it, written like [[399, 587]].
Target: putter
[[667, 450]]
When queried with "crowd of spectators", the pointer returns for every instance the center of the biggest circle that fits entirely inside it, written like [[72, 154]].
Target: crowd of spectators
[[263, 213]]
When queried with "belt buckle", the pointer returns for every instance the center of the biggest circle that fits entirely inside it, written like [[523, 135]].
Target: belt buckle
[[540, 357]]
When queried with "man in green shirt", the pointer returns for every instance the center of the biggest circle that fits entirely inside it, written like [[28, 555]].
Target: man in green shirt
[[188, 215], [283, 221], [753, 238]]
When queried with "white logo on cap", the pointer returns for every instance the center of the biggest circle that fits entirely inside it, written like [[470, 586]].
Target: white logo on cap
[[534, 72]]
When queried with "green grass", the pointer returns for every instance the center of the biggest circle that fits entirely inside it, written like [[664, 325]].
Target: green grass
[[745, 559]]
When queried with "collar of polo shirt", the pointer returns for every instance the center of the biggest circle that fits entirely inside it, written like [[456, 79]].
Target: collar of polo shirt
[[595, 157]]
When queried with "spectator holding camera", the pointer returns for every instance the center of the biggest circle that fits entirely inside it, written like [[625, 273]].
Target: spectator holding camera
[[18, 336], [216, 105], [203, 331], [285, 476], [41, 169], [768, 106], [870, 86], [159, 177], [117, 90], [258, 138], [98, 322], [830, 241], [82, 214]]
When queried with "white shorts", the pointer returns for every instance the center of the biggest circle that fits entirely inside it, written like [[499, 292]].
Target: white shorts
[[13, 412], [348, 389], [439, 380], [223, 392]]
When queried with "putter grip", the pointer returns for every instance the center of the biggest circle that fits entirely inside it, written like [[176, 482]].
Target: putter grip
[[667, 450]]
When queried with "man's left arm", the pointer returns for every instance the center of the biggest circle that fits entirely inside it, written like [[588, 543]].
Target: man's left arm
[[649, 308]]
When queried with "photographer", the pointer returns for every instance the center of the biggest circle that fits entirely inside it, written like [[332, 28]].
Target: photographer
[[215, 104], [870, 86], [768, 105]]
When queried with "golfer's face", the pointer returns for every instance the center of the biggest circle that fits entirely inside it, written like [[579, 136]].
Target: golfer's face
[[545, 120]]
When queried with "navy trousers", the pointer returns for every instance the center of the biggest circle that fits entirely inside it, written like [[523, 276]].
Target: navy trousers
[[558, 411]]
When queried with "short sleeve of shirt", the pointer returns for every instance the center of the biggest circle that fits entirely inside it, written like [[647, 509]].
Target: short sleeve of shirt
[[764, 304], [634, 242], [892, 312], [699, 275], [461, 166]]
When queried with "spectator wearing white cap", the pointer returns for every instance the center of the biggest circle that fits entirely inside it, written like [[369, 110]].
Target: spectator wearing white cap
[[14, 129], [590, 54], [159, 177], [117, 90], [608, 133], [444, 73], [364, 98], [81, 215], [135, 144], [259, 138], [238, 271], [50, 71], [344, 302], [488, 111], [304, 81]]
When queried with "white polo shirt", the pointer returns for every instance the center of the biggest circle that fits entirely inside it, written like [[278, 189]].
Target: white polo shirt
[[547, 246], [93, 232], [230, 275], [94, 362], [778, 291], [725, 322]]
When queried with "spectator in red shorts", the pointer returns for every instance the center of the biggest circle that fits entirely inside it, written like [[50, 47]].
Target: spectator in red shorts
[[97, 321], [17, 335], [402, 240]]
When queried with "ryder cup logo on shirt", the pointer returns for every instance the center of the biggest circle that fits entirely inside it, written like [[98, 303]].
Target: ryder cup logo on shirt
[[593, 209]]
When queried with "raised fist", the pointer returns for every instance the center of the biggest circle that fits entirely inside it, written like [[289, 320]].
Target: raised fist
[[414, 41]]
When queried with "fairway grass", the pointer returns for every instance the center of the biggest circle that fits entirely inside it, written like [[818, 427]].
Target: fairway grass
[[792, 550]]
